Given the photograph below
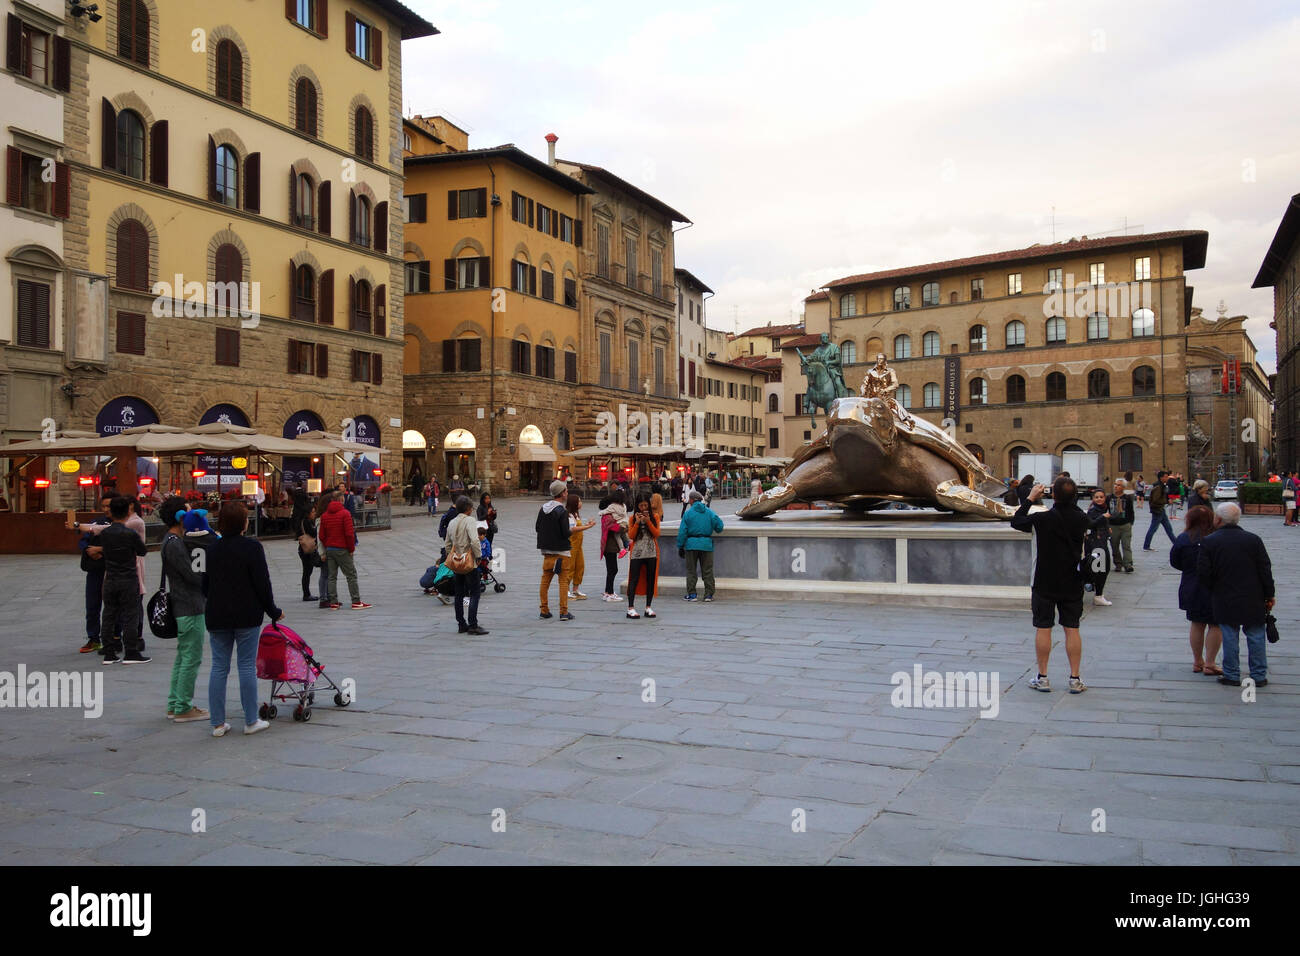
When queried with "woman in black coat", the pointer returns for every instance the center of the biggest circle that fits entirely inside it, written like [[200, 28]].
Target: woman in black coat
[[1096, 545], [489, 514], [1203, 634]]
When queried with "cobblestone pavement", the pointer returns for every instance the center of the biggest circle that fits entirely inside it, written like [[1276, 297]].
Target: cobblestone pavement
[[760, 710]]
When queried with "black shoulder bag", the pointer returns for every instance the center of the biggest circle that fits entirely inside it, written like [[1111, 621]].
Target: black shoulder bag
[[162, 622]]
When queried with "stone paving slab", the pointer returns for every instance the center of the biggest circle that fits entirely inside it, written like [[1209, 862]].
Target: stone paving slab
[[761, 708]]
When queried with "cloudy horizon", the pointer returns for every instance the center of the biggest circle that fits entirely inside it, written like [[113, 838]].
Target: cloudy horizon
[[858, 137]]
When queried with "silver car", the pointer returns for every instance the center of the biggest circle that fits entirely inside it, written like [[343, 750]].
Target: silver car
[[1225, 491]]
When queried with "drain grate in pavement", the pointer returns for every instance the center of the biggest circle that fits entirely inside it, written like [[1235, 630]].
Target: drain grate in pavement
[[618, 758]]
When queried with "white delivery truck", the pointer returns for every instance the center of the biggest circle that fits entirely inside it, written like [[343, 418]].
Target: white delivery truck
[[1044, 468], [1084, 467]]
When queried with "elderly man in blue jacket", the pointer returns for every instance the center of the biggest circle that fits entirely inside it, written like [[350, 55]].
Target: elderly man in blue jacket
[[695, 544]]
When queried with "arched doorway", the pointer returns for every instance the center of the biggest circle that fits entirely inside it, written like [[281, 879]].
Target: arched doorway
[[414, 447], [1013, 459], [458, 456]]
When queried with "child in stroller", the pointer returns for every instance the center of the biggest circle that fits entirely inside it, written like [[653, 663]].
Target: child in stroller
[[485, 562], [440, 581]]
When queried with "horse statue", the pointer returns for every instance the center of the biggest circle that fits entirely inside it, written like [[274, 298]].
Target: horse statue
[[825, 377]]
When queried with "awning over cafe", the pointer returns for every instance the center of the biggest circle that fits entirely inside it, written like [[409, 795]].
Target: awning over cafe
[[530, 451]]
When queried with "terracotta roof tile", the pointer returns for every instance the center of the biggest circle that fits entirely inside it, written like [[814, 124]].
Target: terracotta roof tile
[[773, 330]]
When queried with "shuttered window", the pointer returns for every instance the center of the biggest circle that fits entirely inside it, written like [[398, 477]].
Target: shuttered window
[[470, 354], [304, 109], [519, 357], [33, 314], [227, 347], [548, 285], [571, 367], [230, 264], [130, 333], [417, 276], [132, 256], [365, 134], [304, 294], [571, 293], [230, 73], [545, 365], [466, 203], [133, 31]]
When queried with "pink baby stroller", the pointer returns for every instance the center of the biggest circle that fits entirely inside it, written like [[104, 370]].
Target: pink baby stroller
[[286, 661]]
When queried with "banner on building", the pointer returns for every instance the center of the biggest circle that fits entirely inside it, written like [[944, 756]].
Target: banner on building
[[952, 387]]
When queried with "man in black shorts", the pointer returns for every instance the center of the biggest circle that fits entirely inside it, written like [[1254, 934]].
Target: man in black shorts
[[1057, 589]]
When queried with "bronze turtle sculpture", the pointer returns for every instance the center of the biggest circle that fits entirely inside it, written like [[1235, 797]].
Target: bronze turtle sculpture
[[873, 453]]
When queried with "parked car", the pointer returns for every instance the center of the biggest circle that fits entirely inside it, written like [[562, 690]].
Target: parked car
[[1226, 491]]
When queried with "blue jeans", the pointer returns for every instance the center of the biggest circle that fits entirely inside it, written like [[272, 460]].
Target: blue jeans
[[1256, 642], [1158, 519], [223, 644]]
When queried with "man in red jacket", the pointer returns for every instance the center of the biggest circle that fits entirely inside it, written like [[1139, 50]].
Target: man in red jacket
[[338, 537]]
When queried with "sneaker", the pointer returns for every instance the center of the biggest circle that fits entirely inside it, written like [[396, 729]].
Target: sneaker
[[1262, 682], [194, 713], [334, 605], [462, 628], [136, 658], [1101, 601], [1041, 683], [170, 715], [689, 597], [90, 646], [546, 615], [1077, 686], [708, 599], [324, 604], [477, 631], [1229, 682], [649, 612], [310, 597], [578, 596], [566, 616], [611, 598], [361, 606], [622, 554], [631, 612], [109, 659], [1148, 549], [221, 731], [256, 727]]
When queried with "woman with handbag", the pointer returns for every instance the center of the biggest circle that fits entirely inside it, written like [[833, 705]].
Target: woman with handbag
[[185, 603], [463, 553], [302, 524], [1289, 487]]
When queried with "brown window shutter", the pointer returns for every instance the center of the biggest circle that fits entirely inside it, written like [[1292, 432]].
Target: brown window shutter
[[381, 311], [449, 355], [352, 215], [295, 214], [300, 105], [253, 183], [530, 212], [326, 297], [376, 369], [532, 280], [322, 361], [14, 43], [448, 273], [577, 233], [13, 175], [379, 46], [234, 72], [293, 357], [26, 311], [108, 135], [485, 271], [350, 27], [213, 196], [323, 208], [555, 224], [312, 109], [62, 64], [292, 311], [323, 17], [223, 69], [453, 207], [141, 52], [140, 258], [62, 191], [291, 10], [354, 353], [158, 153], [352, 303], [381, 227]]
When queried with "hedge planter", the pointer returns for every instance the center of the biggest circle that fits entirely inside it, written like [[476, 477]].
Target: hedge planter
[[1252, 509]]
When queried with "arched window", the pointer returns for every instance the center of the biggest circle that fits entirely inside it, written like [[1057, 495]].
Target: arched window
[[930, 343], [304, 106], [1099, 383], [1144, 380], [1098, 327], [874, 347], [1015, 390], [562, 441], [1072, 448], [1014, 457], [979, 338], [1130, 457], [1055, 330], [904, 396], [848, 305], [929, 294], [930, 394], [1015, 334], [902, 346], [230, 73], [361, 307], [1144, 323], [130, 144], [773, 403], [304, 202], [365, 134], [902, 298], [979, 391], [848, 352], [133, 31], [227, 176], [360, 220], [132, 256], [1056, 386], [230, 264], [304, 295]]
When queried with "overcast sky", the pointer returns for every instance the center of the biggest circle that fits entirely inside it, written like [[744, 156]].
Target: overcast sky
[[813, 141]]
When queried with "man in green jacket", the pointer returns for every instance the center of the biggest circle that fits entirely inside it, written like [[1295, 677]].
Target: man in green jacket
[[695, 544]]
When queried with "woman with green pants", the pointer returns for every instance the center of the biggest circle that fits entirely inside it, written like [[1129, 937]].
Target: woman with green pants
[[184, 572]]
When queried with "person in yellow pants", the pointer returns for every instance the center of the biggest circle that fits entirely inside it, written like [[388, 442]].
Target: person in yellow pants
[[576, 527]]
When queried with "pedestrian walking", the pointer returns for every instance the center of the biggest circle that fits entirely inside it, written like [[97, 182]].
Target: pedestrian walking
[[92, 562], [462, 539], [431, 495], [1119, 510], [552, 528], [643, 567], [1199, 496], [1140, 489], [1097, 545], [695, 545], [1194, 598], [238, 595], [302, 525], [338, 535], [1289, 488], [573, 504], [185, 601], [121, 596], [1056, 590], [1159, 498], [1235, 568]]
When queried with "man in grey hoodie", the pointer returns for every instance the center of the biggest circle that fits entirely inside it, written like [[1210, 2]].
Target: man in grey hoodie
[[553, 541]]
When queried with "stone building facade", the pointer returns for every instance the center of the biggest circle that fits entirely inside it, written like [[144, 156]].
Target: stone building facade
[[1280, 271]]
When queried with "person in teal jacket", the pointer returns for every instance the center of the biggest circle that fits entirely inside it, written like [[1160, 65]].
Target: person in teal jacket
[[695, 544]]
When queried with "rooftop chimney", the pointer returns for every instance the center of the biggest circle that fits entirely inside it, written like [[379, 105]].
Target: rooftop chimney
[[550, 147]]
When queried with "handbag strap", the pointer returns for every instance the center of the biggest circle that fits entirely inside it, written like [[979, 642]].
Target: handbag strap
[[162, 571]]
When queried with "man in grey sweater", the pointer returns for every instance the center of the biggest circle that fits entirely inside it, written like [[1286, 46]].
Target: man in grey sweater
[[183, 566]]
